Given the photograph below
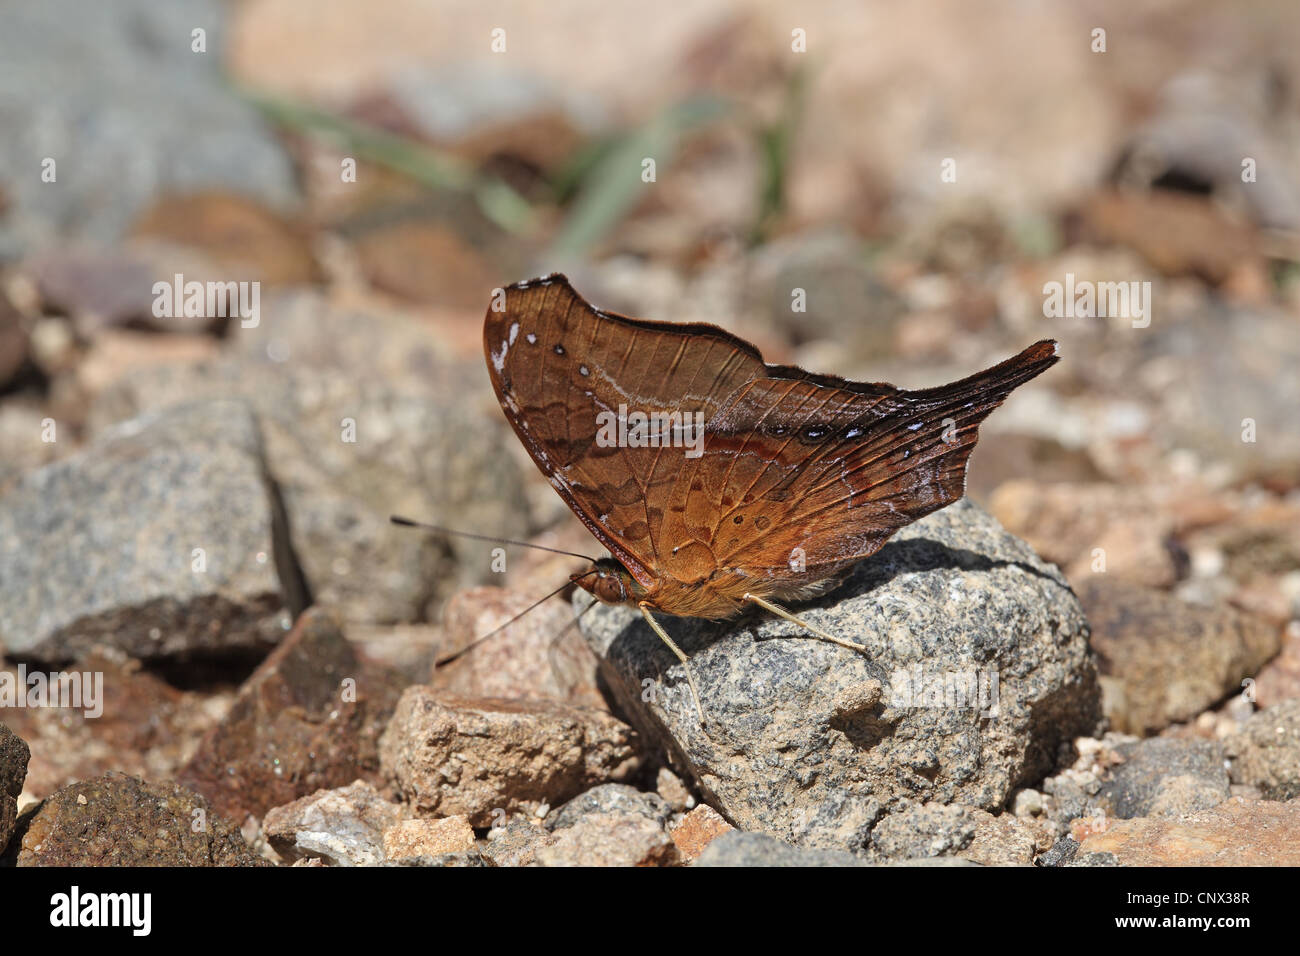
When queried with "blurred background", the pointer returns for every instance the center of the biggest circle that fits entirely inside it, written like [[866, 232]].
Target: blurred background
[[920, 170]]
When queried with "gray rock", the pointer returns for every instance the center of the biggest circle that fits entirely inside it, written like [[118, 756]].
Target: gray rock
[[1165, 777], [1266, 753], [832, 270], [464, 858], [13, 771], [811, 741], [609, 825], [609, 839], [344, 826], [926, 830], [1062, 853], [761, 849], [610, 798], [421, 449], [100, 547], [121, 135], [515, 843]]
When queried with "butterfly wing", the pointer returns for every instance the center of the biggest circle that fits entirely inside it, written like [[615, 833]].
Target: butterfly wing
[[844, 465], [558, 365], [801, 475]]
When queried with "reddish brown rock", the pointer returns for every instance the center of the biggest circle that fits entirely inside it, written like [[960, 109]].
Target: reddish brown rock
[[450, 755], [1235, 833], [116, 820], [238, 234], [147, 728], [1163, 660], [309, 718], [697, 830]]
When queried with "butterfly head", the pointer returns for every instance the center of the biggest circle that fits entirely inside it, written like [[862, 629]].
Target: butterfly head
[[610, 582]]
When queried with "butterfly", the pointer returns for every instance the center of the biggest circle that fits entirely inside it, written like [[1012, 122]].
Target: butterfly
[[714, 480]]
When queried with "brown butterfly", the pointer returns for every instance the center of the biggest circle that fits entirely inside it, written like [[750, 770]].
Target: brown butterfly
[[714, 479]]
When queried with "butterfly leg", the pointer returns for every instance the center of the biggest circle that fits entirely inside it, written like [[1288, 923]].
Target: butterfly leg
[[690, 679], [820, 634]]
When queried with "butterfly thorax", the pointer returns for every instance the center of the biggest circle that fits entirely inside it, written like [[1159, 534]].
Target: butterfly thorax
[[610, 583]]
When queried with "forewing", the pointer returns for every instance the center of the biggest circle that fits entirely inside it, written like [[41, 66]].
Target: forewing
[[557, 364]]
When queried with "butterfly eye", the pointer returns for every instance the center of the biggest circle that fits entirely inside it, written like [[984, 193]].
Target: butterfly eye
[[815, 432], [559, 349]]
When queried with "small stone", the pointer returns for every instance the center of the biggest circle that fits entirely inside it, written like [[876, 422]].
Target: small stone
[[1006, 840], [1165, 777], [1163, 660], [309, 718], [761, 849], [1266, 753], [697, 830], [123, 821], [539, 655], [1028, 803], [616, 798], [459, 859], [675, 793], [345, 826], [927, 830], [422, 837], [448, 755], [515, 843]]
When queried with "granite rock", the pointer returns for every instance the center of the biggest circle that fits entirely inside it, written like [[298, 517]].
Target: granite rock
[[163, 538], [361, 421], [816, 742]]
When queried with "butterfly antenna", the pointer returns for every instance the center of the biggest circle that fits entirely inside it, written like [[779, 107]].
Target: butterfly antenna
[[409, 523], [439, 662]]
